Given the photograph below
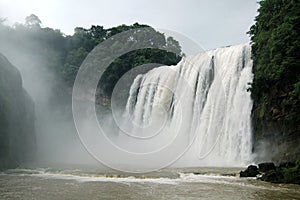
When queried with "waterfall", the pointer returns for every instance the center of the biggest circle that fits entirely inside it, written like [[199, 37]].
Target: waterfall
[[203, 100]]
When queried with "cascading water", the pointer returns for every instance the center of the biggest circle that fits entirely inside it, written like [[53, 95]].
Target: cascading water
[[205, 99]]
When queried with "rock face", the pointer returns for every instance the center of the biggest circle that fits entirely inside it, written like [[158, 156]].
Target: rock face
[[273, 142], [17, 131]]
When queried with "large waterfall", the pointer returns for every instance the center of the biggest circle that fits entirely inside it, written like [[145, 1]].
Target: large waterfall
[[202, 101]]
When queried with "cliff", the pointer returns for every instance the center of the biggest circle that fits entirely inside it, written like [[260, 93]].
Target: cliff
[[273, 141], [276, 84], [17, 131]]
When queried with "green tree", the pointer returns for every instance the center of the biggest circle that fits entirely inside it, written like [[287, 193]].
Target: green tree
[[84, 40], [33, 21], [275, 51]]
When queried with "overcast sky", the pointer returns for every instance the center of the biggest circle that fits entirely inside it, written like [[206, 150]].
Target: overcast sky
[[211, 23]]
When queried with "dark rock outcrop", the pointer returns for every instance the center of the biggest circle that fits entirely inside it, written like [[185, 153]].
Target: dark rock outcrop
[[251, 171], [284, 173], [264, 167], [17, 131], [273, 176]]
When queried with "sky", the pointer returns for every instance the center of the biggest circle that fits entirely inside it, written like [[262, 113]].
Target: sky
[[209, 23]]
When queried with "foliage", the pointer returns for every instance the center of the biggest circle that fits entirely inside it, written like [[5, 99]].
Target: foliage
[[292, 174], [84, 40], [64, 54], [275, 50], [33, 21]]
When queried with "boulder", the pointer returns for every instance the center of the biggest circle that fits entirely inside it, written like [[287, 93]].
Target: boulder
[[273, 176], [265, 167], [251, 171]]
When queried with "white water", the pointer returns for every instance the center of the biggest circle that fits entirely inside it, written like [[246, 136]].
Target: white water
[[201, 103]]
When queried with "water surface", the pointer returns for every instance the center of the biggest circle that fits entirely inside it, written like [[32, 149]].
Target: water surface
[[208, 183]]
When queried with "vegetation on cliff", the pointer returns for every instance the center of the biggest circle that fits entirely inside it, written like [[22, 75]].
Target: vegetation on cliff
[[276, 85], [64, 54]]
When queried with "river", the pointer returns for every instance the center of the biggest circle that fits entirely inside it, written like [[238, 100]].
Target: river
[[184, 183]]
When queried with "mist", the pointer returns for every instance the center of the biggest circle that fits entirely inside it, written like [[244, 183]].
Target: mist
[[188, 112], [57, 140]]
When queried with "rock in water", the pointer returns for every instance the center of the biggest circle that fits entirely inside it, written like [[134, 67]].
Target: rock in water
[[265, 167], [17, 132], [251, 171], [273, 176]]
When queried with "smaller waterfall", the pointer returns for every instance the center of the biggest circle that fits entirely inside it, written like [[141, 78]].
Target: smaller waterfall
[[203, 101]]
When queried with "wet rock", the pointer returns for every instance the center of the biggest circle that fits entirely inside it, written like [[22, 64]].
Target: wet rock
[[197, 173], [251, 171], [265, 167], [273, 176]]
